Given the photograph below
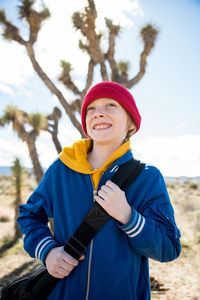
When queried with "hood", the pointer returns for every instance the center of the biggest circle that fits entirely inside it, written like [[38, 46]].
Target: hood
[[75, 158]]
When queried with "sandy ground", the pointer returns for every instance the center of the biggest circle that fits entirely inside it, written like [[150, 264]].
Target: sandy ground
[[180, 278]]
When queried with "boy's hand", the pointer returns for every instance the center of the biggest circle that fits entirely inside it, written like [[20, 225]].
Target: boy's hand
[[59, 263], [114, 201]]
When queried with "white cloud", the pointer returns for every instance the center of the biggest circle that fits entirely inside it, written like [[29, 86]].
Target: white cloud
[[16, 68], [6, 89], [121, 12], [12, 147], [174, 156]]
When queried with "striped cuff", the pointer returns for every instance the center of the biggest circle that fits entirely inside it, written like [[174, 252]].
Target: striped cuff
[[135, 225], [44, 246]]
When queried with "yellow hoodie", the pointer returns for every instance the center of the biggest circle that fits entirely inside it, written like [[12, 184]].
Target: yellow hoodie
[[75, 158]]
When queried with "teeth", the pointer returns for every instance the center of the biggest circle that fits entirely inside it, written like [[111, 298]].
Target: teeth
[[101, 126]]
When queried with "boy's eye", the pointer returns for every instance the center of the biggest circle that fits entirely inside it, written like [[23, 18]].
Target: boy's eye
[[89, 108], [111, 104]]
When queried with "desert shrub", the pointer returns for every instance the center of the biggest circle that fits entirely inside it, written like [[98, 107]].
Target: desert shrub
[[4, 219], [193, 186], [170, 185], [185, 245]]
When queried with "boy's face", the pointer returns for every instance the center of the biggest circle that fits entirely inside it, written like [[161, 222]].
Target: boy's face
[[107, 121]]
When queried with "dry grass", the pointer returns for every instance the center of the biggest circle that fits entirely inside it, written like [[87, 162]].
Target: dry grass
[[180, 278]]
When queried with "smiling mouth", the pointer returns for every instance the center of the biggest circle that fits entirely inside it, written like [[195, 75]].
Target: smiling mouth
[[102, 126]]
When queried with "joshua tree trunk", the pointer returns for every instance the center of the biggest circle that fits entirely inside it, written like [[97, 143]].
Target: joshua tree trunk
[[35, 160], [18, 201], [17, 172], [56, 143]]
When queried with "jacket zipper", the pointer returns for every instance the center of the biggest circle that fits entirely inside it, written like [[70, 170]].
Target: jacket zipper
[[91, 248]]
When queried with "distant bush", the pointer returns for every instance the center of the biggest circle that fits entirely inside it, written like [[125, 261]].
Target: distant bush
[[193, 186], [185, 245], [170, 185], [4, 219]]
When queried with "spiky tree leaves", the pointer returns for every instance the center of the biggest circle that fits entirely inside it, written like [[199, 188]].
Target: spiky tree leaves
[[85, 22], [10, 31], [148, 34], [33, 18], [38, 122], [2, 16], [65, 77], [17, 174], [123, 67]]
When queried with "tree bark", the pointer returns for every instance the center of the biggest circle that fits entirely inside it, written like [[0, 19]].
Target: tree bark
[[137, 78], [17, 202], [35, 160], [56, 142]]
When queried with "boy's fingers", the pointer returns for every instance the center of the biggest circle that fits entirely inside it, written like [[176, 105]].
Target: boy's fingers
[[69, 259], [100, 201], [82, 257], [102, 194], [111, 184]]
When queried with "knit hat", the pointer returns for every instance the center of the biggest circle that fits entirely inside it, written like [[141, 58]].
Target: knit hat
[[115, 91]]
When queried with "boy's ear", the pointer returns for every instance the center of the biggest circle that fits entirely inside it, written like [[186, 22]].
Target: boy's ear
[[132, 127], [132, 130]]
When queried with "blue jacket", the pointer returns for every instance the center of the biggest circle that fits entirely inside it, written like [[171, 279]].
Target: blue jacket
[[116, 262]]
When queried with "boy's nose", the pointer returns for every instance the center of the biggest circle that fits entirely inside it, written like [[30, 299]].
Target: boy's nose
[[99, 113]]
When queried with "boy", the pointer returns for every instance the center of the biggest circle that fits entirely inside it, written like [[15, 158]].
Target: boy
[[115, 265]]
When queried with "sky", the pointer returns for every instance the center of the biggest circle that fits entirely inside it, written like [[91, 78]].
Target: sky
[[168, 96]]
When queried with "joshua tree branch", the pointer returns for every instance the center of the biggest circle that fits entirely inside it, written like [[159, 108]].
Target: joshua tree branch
[[143, 61], [11, 32], [104, 73], [113, 32], [149, 35], [52, 87], [90, 74], [55, 116], [67, 81]]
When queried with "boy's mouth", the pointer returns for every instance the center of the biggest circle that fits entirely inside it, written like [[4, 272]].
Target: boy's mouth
[[101, 126]]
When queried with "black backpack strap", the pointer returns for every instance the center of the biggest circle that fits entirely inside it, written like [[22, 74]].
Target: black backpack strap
[[132, 168], [95, 219]]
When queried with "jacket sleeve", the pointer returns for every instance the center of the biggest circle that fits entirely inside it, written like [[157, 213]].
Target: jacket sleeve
[[152, 231], [33, 221]]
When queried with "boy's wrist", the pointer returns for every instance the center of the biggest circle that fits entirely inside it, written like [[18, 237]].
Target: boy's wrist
[[127, 215]]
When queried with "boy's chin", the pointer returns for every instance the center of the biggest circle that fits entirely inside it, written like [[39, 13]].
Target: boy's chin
[[107, 141]]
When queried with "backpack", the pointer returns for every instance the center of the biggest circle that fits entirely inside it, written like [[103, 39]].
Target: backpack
[[38, 283]]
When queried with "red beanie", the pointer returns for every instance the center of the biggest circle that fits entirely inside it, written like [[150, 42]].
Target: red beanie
[[115, 91]]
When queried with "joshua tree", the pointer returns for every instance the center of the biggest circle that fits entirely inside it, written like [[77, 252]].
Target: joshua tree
[[17, 172], [19, 119], [85, 23]]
